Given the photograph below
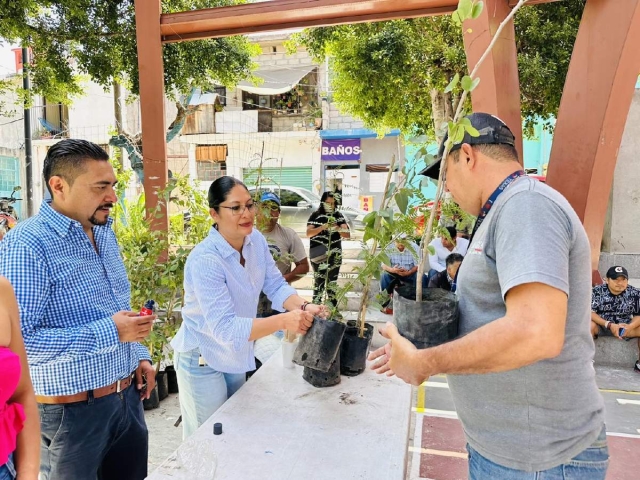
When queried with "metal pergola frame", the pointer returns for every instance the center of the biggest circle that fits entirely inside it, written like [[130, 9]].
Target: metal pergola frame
[[593, 111]]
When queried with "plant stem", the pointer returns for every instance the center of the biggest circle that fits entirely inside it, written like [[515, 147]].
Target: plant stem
[[364, 300], [426, 236]]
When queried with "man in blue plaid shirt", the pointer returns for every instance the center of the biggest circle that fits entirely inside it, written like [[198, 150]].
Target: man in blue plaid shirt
[[80, 335], [402, 268]]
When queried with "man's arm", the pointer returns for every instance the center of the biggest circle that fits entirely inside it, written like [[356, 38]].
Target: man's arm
[[532, 330], [595, 318], [301, 269], [433, 259], [299, 255], [28, 274]]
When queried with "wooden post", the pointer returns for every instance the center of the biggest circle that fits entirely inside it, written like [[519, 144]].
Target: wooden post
[[150, 66], [499, 90], [593, 111]]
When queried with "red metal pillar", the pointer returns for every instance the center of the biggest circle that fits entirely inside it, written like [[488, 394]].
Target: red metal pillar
[[150, 66], [499, 90], [593, 111]]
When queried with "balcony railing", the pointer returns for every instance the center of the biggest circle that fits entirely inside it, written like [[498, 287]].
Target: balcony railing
[[49, 121]]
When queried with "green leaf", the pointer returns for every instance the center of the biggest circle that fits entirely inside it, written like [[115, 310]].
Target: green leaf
[[458, 134], [465, 8], [453, 83], [477, 9], [392, 187], [466, 83], [402, 200], [472, 131]]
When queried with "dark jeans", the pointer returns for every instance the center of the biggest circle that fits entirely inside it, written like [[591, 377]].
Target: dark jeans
[[8, 471], [328, 274], [104, 438]]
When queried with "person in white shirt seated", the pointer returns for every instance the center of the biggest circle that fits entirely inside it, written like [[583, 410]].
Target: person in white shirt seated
[[444, 246]]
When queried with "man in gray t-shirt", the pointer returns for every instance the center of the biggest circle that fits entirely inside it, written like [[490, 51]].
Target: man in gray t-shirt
[[521, 371]]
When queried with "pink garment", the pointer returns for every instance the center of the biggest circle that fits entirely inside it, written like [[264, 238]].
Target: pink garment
[[11, 414]]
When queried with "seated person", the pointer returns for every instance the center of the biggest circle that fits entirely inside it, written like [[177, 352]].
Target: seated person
[[444, 246], [615, 308], [445, 278], [403, 270]]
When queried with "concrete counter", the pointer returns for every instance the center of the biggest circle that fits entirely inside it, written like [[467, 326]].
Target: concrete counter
[[278, 427]]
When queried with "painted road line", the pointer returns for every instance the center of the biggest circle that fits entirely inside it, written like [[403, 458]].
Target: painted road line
[[431, 412], [440, 453], [624, 401], [436, 384], [625, 435], [623, 392], [421, 399]]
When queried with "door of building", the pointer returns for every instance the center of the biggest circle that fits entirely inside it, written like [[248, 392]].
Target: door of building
[[344, 179]]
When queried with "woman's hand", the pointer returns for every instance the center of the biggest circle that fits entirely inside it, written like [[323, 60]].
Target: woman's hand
[[317, 310], [298, 321]]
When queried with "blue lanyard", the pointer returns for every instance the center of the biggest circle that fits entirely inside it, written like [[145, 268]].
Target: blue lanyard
[[484, 211]]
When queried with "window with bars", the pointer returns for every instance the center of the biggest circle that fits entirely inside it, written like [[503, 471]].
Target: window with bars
[[9, 175]]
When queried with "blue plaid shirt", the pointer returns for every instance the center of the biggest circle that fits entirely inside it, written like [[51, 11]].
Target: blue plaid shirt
[[67, 293], [221, 299], [404, 259]]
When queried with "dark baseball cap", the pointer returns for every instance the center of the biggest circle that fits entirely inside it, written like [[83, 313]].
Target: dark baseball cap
[[493, 131], [270, 197], [617, 271]]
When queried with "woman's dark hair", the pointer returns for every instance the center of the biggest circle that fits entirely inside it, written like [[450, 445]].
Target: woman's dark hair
[[453, 258], [66, 159], [452, 233], [323, 199], [219, 190]]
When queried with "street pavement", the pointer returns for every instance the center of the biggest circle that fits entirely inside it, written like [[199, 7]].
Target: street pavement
[[438, 452]]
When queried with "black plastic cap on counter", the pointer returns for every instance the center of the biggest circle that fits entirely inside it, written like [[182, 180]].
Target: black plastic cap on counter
[[217, 428]]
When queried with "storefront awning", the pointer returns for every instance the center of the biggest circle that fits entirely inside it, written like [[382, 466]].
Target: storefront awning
[[355, 133], [276, 80]]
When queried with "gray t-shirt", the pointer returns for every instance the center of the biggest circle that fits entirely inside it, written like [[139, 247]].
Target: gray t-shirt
[[286, 247], [542, 415]]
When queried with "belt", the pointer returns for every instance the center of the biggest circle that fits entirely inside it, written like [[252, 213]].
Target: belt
[[115, 387]]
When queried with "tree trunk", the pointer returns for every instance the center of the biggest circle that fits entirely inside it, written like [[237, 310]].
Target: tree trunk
[[442, 111]]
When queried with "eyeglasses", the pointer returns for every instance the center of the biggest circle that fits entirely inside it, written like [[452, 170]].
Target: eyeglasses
[[238, 210]]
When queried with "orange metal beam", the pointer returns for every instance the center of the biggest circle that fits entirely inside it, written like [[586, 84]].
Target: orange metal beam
[[593, 111], [498, 92], [154, 146], [283, 14]]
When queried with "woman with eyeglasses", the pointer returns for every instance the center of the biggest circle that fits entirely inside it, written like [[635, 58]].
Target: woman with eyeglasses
[[326, 228], [223, 278]]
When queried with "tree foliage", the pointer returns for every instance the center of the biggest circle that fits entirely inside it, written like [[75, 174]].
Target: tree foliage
[[385, 73], [70, 38]]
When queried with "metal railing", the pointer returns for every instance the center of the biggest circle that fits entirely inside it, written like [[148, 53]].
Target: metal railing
[[50, 120]]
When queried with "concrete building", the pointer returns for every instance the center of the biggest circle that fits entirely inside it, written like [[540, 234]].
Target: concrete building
[[284, 129]]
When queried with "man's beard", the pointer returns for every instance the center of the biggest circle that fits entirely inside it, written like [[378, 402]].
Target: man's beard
[[93, 218]]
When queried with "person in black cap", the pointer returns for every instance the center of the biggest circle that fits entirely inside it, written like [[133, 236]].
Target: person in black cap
[[520, 371], [615, 308]]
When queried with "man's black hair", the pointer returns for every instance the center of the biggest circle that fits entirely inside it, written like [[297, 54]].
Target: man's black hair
[[452, 233], [453, 258], [66, 159]]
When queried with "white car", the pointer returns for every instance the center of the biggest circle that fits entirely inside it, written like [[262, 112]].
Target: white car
[[299, 203]]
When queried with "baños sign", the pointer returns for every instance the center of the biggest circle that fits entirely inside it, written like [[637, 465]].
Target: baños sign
[[344, 149]]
